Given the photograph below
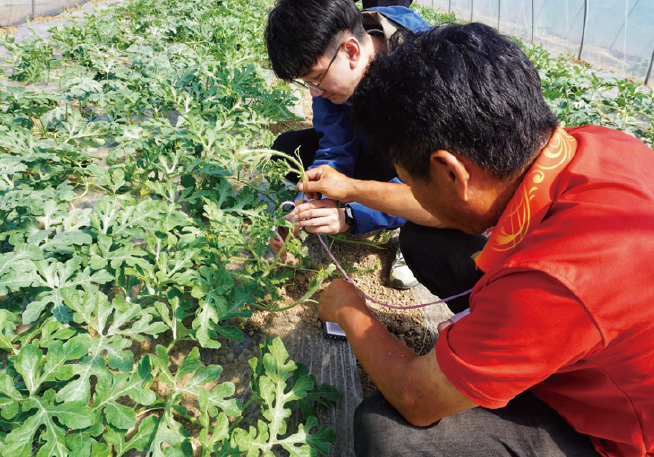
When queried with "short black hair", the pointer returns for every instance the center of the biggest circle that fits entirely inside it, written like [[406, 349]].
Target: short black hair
[[299, 32], [461, 88]]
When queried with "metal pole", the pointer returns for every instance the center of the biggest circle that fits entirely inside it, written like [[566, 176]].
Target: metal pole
[[583, 32], [532, 21], [567, 24], [33, 9], [649, 70], [449, 7], [624, 24], [499, 10], [472, 9]]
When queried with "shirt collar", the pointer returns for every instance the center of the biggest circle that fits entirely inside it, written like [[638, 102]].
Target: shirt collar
[[530, 203]]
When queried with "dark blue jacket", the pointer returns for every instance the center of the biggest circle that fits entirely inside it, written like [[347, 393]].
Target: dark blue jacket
[[339, 147]]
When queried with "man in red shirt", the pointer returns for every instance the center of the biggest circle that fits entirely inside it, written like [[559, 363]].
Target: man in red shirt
[[556, 356]]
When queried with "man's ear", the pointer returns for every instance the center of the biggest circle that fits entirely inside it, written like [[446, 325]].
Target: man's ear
[[449, 167], [352, 50]]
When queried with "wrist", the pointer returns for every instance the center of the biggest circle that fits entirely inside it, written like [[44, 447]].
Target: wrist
[[355, 314]]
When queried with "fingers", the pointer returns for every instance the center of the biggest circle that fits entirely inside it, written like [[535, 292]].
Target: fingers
[[320, 216], [314, 204], [338, 296], [313, 187], [326, 224], [276, 246], [312, 190], [315, 173]]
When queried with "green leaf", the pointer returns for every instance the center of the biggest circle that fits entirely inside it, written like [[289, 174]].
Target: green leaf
[[8, 323], [219, 437], [126, 254], [233, 333], [276, 383], [56, 277], [141, 441], [218, 302], [30, 363], [170, 432], [72, 415], [216, 400], [10, 398], [65, 242], [16, 268], [114, 322], [112, 387], [52, 330], [27, 364], [173, 314], [83, 444]]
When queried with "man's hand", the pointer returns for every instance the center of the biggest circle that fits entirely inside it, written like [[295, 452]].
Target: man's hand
[[327, 182], [413, 384], [338, 295], [319, 216], [387, 197]]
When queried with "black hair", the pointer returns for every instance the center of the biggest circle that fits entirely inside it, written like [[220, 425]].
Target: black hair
[[299, 32], [461, 88]]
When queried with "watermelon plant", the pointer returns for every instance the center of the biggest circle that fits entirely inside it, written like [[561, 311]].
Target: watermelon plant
[[137, 201]]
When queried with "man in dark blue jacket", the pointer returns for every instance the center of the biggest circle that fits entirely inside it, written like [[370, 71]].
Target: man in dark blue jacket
[[325, 46]]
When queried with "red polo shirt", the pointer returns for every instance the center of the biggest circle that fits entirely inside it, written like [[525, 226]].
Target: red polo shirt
[[568, 310]]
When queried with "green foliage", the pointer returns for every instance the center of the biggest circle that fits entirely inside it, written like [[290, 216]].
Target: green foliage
[[29, 60], [162, 118], [578, 96], [434, 17], [279, 387]]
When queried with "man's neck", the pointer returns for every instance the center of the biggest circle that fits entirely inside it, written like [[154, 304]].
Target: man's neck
[[505, 189], [378, 43]]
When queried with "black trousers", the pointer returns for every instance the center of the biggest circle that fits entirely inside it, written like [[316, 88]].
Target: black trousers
[[441, 259], [525, 427]]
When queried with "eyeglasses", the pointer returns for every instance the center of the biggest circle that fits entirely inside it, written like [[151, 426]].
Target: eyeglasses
[[315, 85]]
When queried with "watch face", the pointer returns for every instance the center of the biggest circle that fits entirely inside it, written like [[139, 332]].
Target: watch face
[[333, 330], [349, 218]]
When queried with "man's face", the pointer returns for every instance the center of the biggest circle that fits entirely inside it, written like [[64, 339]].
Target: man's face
[[335, 74], [439, 197]]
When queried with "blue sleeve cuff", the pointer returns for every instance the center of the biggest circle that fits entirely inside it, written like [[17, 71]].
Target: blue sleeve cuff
[[368, 220]]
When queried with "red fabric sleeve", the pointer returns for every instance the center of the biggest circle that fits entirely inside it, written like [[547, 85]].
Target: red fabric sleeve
[[523, 327]]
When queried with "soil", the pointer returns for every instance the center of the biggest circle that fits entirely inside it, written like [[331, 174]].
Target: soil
[[408, 326]]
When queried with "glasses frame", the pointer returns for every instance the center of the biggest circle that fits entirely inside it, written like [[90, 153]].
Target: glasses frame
[[317, 84]]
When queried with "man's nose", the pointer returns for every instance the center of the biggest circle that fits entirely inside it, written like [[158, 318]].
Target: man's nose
[[315, 92]]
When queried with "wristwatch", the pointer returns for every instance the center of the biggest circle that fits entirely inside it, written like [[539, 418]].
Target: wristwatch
[[349, 216]]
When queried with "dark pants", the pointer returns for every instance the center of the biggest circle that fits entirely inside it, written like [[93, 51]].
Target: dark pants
[[524, 427], [372, 167], [441, 259]]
